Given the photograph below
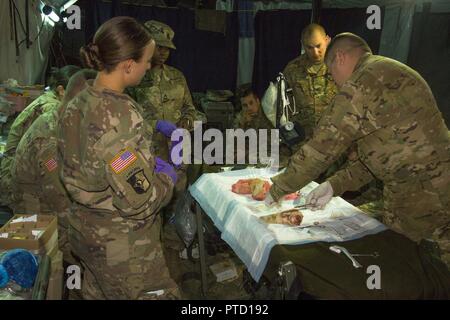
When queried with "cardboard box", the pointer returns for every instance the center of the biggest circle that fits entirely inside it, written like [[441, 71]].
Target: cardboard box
[[224, 271], [36, 233], [55, 281]]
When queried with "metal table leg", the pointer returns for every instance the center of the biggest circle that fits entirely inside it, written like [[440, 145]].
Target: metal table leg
[[201, 246]]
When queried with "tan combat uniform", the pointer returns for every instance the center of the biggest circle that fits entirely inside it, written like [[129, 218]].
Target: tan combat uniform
[[313, 89], [164, 95], [258, 121], [108, 170], [46, 102], [389, 111], [36, 184]]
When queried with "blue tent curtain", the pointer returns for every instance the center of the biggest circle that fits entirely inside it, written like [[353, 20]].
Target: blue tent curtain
[[207, 59]]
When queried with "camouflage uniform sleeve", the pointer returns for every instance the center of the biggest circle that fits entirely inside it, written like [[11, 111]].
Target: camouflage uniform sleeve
[[239, 121], [52, 189], [6, 179], [24, 120], [343, 122], [5, 166], [150, 124], [129, 169], [288, 75], [351, 178], [18, 129], [188, 110]]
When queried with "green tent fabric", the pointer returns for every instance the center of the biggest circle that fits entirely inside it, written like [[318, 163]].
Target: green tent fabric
[[408, 270]]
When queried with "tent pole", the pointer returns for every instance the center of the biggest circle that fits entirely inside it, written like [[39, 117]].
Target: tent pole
[[27, 24], [316, 8]]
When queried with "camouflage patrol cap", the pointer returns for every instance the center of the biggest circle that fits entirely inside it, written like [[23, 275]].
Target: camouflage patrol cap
[[161, 33]]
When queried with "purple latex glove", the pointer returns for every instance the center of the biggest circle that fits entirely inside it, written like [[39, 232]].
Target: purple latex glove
[[165, 127], [163, 167]]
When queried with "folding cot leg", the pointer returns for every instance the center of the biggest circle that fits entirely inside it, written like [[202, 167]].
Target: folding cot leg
[[201, 246]]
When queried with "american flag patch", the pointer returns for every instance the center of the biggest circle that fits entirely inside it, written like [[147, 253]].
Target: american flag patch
[[122, 161], [51, 164]]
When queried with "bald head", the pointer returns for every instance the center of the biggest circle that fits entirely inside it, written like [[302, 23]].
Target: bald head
[[343, 54], [346, 42], [311, 30], [315, 42]]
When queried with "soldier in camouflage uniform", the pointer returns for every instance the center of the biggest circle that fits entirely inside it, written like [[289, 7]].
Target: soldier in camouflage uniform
[[389, 111], [35, 180], [164, 95], [251, 115], [46, 102], [308, 76], [110, 174], [36, 186], [314, 89]]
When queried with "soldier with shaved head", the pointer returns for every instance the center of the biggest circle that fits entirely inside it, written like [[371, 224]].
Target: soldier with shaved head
[[309, 78], [389, 111]]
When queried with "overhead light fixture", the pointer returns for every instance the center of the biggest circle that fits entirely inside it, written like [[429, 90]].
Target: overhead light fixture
[[58, 5], [47, 19], [67, 5], [54, 17], [50, 13], [46, 10]]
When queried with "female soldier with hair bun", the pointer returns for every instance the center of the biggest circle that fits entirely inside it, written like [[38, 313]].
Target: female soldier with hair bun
[[116, 185]]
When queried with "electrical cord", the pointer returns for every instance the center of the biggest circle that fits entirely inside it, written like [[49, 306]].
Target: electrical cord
[[16, 10], [18, 13], [37, 36]]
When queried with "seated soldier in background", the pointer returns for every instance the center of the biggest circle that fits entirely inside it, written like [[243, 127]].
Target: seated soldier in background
[[46, 102], [251, 114], [36, 186]]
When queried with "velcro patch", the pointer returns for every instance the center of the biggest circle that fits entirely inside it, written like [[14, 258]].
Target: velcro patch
[[122, 161], [139, 182], [51, 164]]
